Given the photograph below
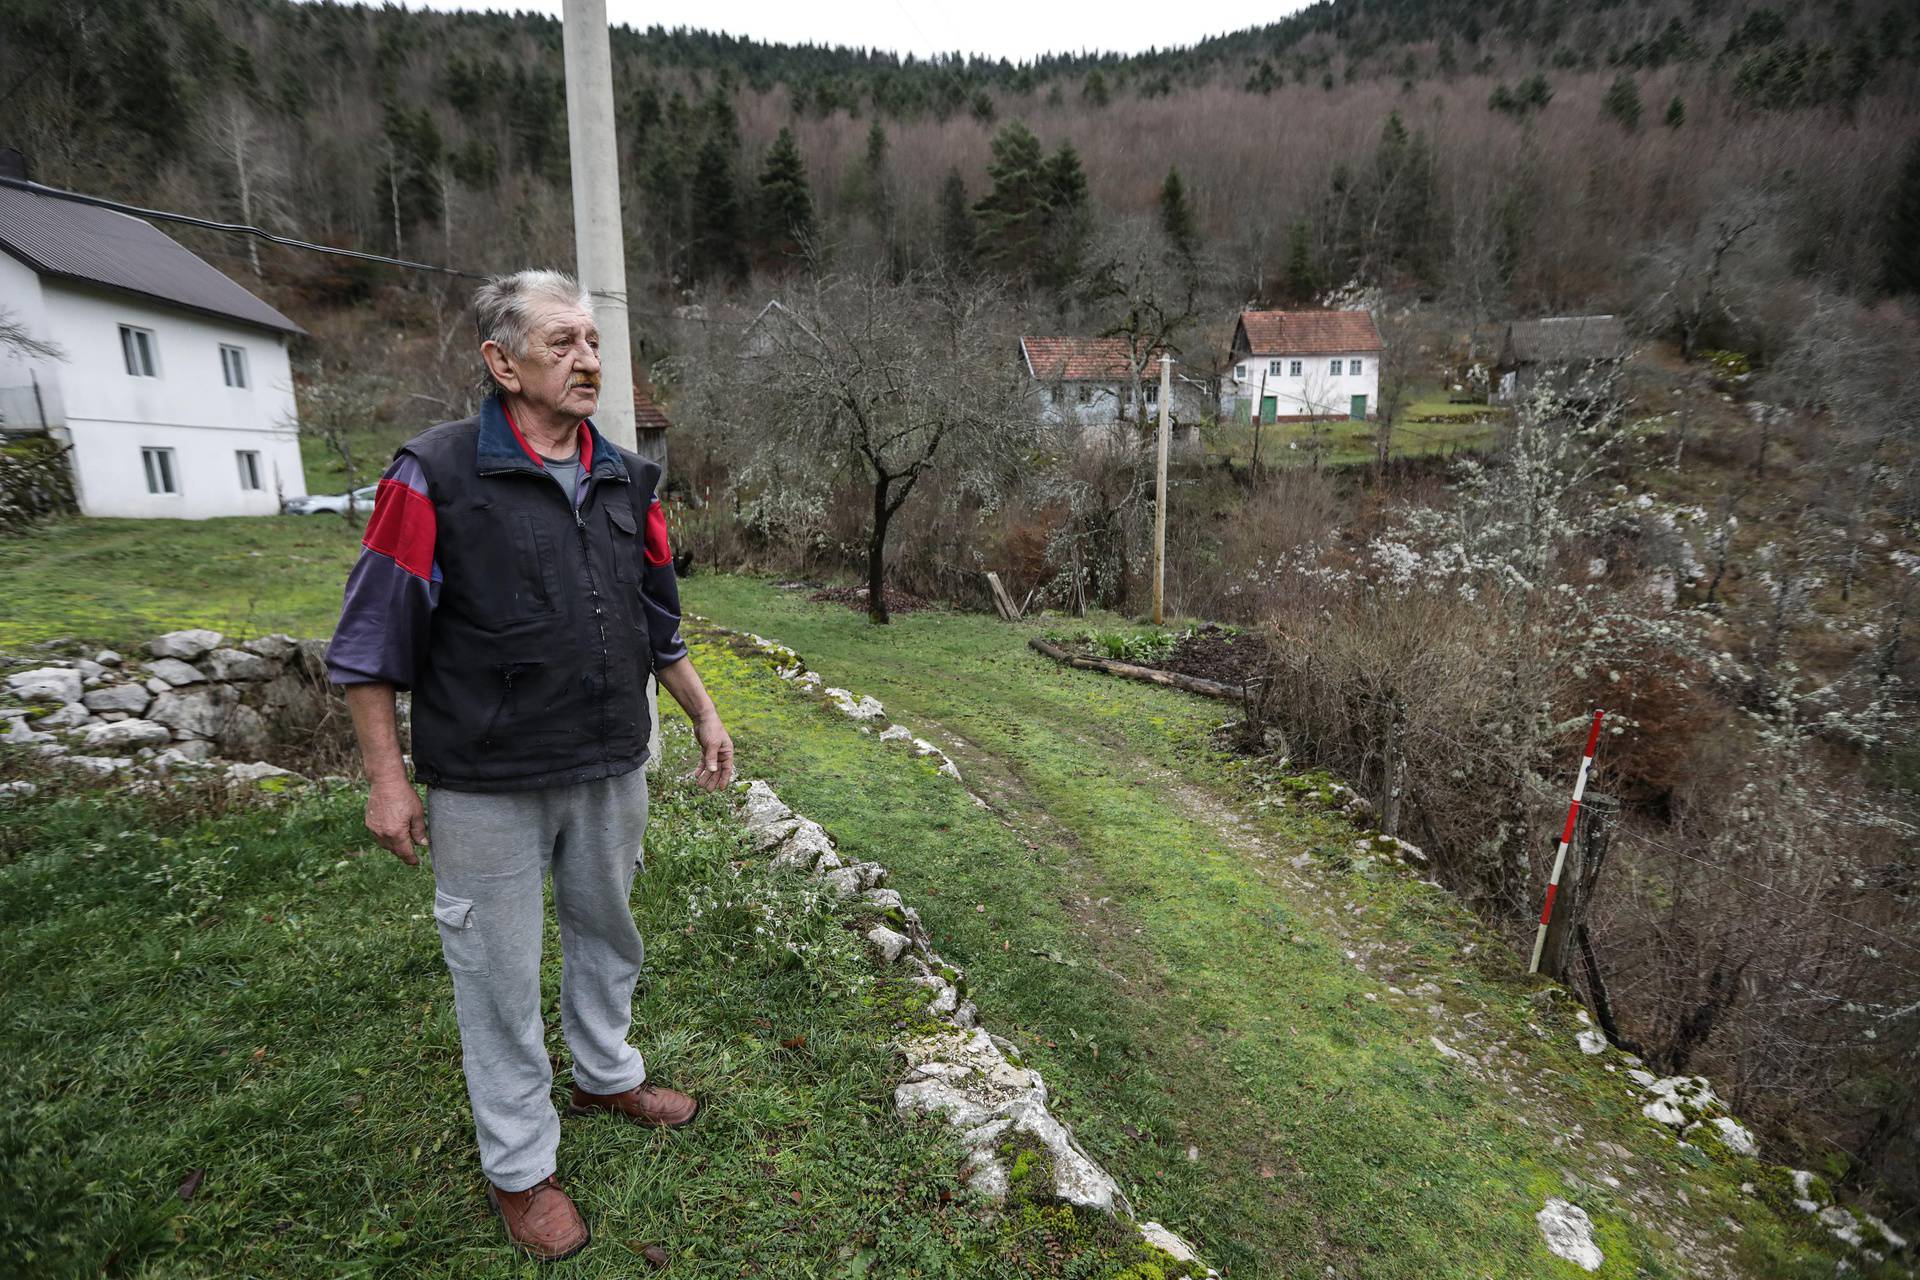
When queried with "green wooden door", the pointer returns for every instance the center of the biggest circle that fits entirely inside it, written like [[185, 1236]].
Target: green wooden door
[[1269, 408], [1359, 410]]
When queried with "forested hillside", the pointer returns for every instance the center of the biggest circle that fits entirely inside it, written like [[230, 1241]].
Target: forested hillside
[[1526, 154]]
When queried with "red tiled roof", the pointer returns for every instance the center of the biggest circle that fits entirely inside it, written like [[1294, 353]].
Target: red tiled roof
[[1082, 359], [1307, 333], [647, 415]]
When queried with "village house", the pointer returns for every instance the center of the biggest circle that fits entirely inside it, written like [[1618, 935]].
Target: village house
[[1298, 366], [1090, 382], [1557, 350], [170, 383]]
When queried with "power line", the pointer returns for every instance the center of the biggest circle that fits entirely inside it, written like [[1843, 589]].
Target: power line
[[234, 228]]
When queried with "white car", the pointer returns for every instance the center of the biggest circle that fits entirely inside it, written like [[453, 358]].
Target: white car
[[315, 503]]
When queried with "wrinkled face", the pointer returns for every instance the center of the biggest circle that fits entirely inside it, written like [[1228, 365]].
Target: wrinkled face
[[560, 371]]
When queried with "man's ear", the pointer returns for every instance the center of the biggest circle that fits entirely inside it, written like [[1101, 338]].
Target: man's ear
[[500, 365]]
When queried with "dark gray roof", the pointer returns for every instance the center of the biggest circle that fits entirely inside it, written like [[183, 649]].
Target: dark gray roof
[[1566, 340], [71, 241]]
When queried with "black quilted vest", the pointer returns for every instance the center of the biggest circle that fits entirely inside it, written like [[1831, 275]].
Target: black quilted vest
[[538, 660]]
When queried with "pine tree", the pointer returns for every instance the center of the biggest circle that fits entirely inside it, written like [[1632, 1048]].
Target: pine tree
[[1064, 183], [956, 223], [1095, 89], [1300, 281], [1901, 269], [1622, 101], [716, 252], [1676, 113], [1176, 219], [1012, 217], [785, 204], [879, 186]]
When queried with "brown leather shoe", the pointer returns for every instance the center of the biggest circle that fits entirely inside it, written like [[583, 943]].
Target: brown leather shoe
[[647, 1104], [542, 1221]]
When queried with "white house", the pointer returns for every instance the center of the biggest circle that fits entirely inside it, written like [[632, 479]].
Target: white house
[[1090, 381], [172, 383], [1302, 365]]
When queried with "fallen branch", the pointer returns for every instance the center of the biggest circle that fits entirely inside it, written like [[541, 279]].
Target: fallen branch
[[1192, 684]]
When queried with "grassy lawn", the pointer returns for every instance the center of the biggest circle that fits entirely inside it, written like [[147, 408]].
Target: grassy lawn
[[230, 1049], [1427, 425], [118, 582], [1239, 1039], [1126, 915]]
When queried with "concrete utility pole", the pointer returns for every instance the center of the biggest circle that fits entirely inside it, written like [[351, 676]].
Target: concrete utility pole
[[598, 238], [599, 245], [1160, 492]]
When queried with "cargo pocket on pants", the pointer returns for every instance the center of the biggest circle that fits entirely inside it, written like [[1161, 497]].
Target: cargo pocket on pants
[[460, 940]]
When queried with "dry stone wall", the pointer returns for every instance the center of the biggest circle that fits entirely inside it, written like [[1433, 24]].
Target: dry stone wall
[[192, 701]]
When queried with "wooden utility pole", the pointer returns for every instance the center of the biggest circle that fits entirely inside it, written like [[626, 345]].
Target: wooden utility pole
[[1592, 836], [1160, 492]]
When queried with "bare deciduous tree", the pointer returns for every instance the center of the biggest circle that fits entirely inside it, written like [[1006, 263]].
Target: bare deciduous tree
[[896, 380]]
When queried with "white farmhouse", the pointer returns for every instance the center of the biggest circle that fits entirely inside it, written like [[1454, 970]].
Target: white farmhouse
[[1089, 382], [1302, 365], [172, 383]]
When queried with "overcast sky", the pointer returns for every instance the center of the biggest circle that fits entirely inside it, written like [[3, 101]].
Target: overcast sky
[[1013, 29]]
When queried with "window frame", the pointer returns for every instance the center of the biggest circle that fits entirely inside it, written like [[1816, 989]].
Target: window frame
[[1335, 366], [134, 338], [233, 366], [1273, 368], [253, 475], [1240, 372], [1294, 369], [164, 473], [1353, 368]]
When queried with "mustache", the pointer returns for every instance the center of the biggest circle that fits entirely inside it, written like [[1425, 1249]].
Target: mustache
[[584, 380]]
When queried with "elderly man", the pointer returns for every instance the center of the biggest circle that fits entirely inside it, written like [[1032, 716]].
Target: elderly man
[[515, 575]]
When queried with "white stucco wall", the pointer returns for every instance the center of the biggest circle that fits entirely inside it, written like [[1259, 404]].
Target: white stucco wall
[[1316, 391], [112, 415], [23, 300]]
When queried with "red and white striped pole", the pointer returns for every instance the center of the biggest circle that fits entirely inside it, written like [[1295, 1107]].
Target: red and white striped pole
[[1566, 838]]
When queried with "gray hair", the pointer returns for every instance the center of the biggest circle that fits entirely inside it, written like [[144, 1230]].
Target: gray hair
[[503, 310]]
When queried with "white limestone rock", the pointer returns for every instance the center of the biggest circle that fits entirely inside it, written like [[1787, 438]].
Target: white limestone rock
[[855, 707], [891, 944], [257, 772], [274, 648], [197, 713], [1591, 1041], [1569, 1234], [47, 684], [130, 698], [761, 805], [184, 645], [176, 672], [100, 766], [20, 732], [126, 735], [237, 664], [71, 716], [1662, 1111], [896, 733], [108, 658]]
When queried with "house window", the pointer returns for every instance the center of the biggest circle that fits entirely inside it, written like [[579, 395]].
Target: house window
[[160, 473], [137, 346], [1293, 370], [1240, 373], [1273, 368], [233, 365], [1353, 367], [249, 460], [1335, 370]]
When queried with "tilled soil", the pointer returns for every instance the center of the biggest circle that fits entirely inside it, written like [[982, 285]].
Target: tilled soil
[[856, 598]]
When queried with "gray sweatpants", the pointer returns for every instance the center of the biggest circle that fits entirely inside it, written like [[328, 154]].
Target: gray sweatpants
[[491, 853]]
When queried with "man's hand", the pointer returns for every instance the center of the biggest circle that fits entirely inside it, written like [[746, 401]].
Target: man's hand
[[716, 752], [398, 822]]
